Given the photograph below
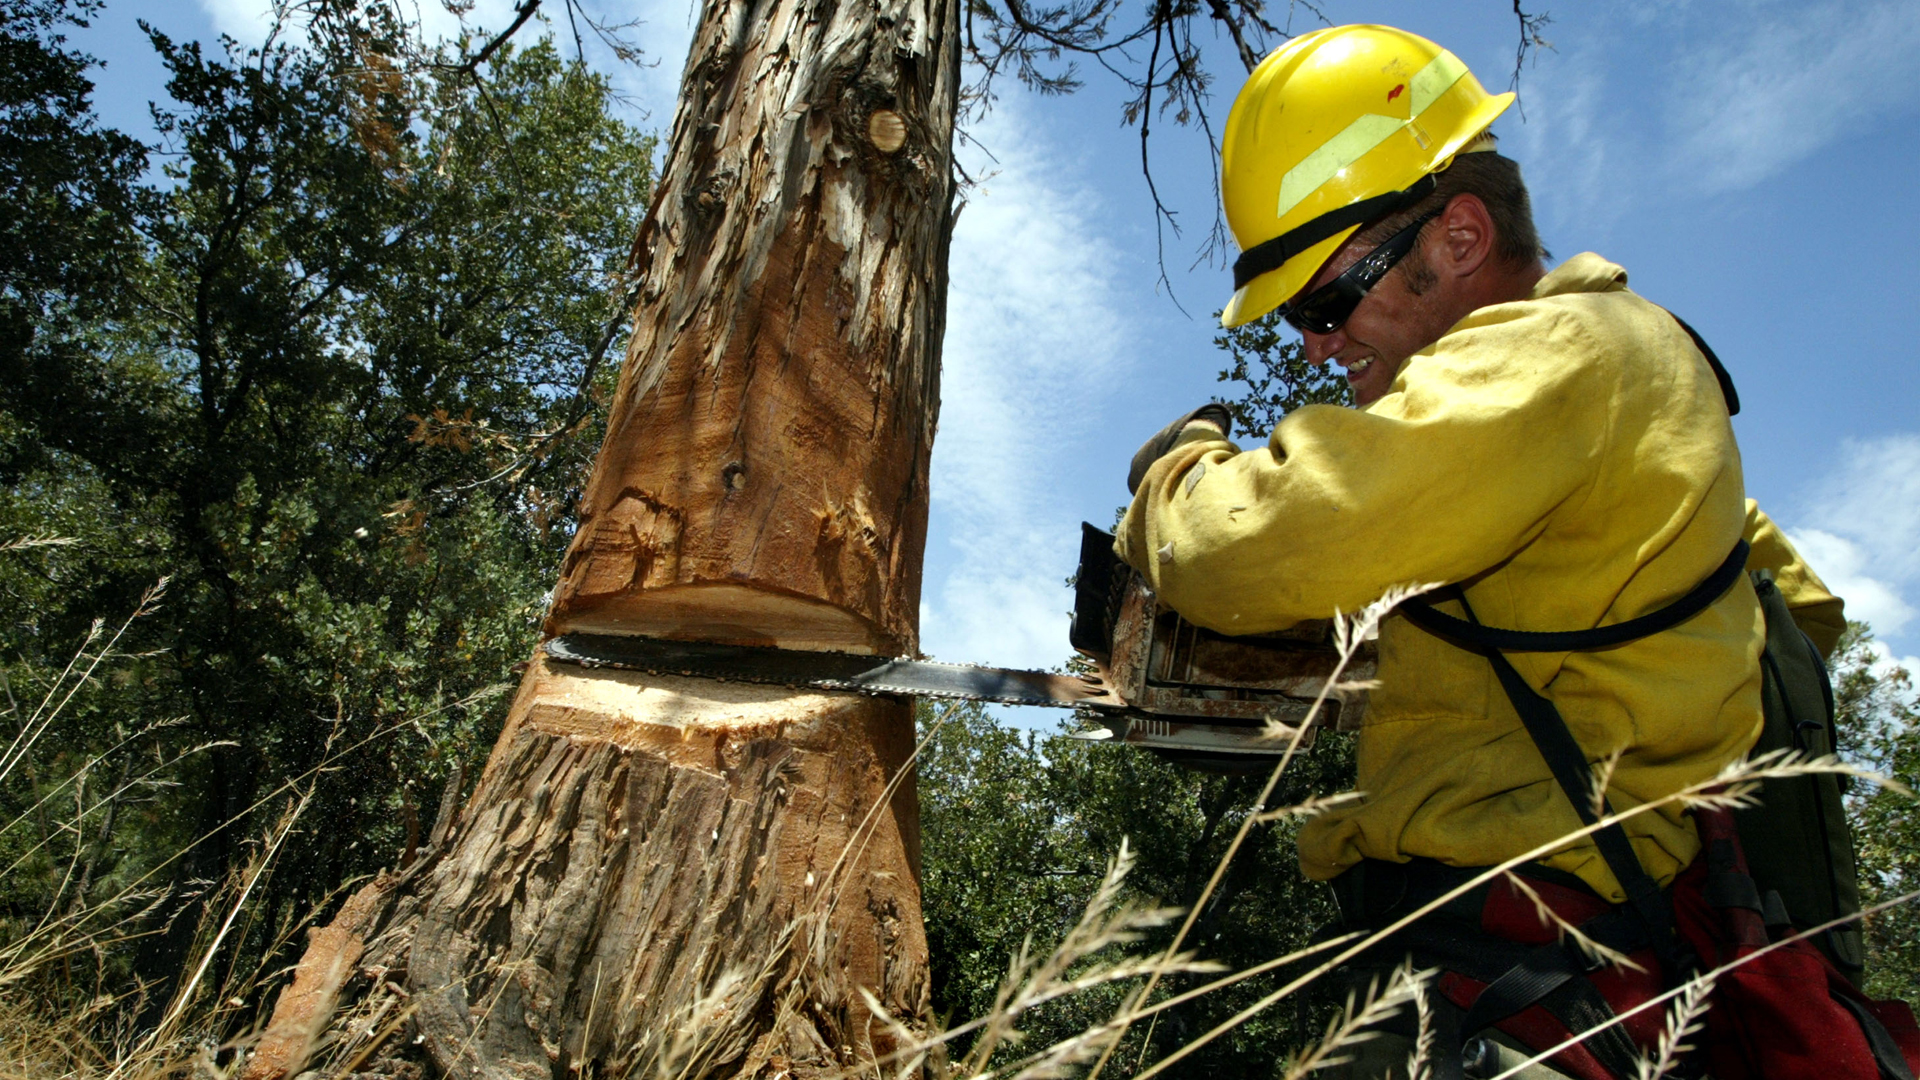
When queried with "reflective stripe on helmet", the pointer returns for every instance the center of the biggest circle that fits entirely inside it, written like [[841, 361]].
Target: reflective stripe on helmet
[[1327, 132], [1366, 132]]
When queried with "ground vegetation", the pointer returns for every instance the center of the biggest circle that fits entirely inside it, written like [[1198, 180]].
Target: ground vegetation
[[327, 359]]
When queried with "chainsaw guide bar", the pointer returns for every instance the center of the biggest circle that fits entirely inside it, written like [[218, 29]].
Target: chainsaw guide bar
[[1204, 699], [1203, 742], [844, 672]]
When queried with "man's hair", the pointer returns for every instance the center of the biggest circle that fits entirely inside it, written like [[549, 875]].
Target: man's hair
[[1495, 180]]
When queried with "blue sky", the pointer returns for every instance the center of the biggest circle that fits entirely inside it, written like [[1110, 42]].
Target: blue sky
[[1750, 162]]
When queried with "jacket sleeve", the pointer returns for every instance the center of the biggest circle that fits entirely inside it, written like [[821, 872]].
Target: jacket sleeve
[[1819, 614], [1484, 434]]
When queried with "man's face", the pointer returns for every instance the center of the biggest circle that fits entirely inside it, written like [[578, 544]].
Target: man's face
[[1390, 323]]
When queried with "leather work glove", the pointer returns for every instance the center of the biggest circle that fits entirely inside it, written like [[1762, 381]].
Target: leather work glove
[[1155, 448]]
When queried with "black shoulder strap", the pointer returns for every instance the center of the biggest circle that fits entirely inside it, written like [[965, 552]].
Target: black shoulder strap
[[1431, 619], [1548, 729], [1719, 370]]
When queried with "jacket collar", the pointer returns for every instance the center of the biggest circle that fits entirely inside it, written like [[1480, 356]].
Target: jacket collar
[[1584, 273]]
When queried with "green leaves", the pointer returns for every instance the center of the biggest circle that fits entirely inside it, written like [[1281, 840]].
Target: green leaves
[[335, 373], [1276, 376], [66, 181], [1018, 829], [1879, 727]]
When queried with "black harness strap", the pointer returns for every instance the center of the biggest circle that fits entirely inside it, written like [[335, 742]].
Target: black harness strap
[[1427, 617], [1549, 966], [1551, 977], [1538, 974], [1553, 972], [1713, 360], [1580, 1008], [1552, 968], [1570, 769]]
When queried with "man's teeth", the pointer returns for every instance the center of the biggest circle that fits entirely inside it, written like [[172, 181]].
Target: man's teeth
[[1355, 367]]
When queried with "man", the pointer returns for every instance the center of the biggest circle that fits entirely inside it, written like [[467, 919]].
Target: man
[[1548, 440]]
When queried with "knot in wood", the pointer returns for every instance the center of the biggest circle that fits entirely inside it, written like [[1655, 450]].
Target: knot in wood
[[887, 130], [734, 475]]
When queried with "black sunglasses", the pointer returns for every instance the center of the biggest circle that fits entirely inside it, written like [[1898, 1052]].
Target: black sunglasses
[[1328, 307]]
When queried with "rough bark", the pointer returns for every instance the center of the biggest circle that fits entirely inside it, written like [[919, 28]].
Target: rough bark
[[764, 477], [675, 876], [664, 876]]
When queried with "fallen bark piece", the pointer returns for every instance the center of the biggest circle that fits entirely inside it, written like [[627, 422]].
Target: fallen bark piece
[[305, 1008]]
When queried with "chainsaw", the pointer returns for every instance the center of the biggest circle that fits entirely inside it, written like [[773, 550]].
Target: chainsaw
[[1146, 677]]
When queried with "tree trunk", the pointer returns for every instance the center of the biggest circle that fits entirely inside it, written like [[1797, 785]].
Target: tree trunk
[[701, 876], [764, 477]]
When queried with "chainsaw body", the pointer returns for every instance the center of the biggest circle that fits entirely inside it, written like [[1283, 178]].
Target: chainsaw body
[[1194, 691]]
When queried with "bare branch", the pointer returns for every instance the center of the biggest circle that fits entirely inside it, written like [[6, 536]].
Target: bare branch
[[1225, 14], [1530, 39], [522, 12], [1163, 218]]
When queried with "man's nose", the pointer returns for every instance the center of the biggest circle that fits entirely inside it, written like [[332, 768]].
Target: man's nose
[[1320, 348]]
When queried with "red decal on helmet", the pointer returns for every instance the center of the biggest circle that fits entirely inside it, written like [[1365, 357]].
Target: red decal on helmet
[[1395, 92]]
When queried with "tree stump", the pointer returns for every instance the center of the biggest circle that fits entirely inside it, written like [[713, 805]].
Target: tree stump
[[682, 874], [675, 876]]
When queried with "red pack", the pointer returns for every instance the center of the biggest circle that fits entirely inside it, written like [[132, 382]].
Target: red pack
[[1788, 1013]]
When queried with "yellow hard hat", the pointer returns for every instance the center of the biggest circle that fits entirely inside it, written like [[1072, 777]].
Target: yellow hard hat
[[1335, 129]]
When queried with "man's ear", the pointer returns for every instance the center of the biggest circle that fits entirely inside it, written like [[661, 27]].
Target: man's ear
[[1466, 240]]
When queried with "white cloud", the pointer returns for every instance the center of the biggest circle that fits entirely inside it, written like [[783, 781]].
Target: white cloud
[[247, 21], [1034, 330], [1793, 78], [1844, 566], [1860, 530], [1873, 497], [1701, 97], [250, 21]]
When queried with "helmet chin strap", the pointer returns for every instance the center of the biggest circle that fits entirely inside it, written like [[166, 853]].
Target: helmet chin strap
[[1274, 253]]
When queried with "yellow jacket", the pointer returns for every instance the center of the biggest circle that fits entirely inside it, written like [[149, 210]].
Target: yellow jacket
[[1570, 460]]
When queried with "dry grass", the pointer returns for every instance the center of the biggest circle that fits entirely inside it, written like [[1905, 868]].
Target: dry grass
[[218, 994], [53, 1025]]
